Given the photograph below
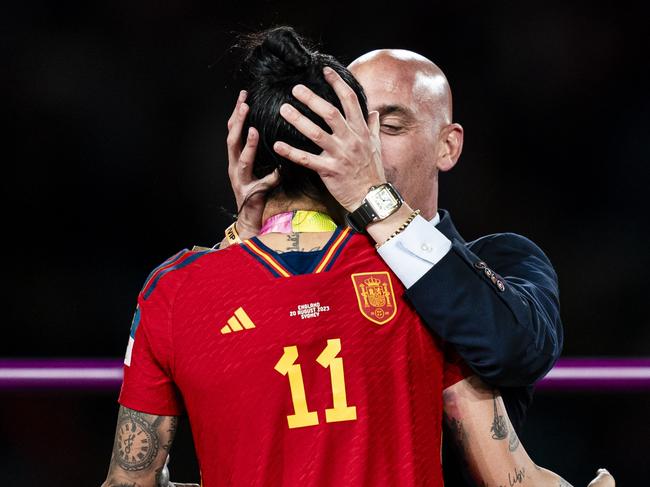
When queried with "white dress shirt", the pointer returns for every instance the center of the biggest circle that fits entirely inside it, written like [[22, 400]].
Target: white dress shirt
[[415, 250]]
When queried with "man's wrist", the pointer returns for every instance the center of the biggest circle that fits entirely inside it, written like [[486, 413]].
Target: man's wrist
[[380, 231], [359, 199]]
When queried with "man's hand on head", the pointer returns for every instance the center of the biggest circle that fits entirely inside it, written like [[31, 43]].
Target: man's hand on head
[[350, 162], [249, 191]]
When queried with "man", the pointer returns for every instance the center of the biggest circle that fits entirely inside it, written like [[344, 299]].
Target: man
[[301, 367], [508, 328]]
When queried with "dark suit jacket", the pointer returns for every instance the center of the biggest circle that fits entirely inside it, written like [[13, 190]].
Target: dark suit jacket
[[496, 299]]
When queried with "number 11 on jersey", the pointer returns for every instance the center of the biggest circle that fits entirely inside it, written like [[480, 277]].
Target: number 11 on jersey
[[302, 416]]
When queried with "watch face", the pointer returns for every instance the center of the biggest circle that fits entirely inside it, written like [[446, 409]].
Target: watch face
[[384, 202]]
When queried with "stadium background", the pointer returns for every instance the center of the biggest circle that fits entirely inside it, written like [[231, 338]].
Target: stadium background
[[115, 159]]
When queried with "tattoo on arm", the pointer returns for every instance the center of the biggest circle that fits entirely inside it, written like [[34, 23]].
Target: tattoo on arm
[[142, 442], [137, 440], [518, 477], [460, 437], [513, 442], [499, 424]]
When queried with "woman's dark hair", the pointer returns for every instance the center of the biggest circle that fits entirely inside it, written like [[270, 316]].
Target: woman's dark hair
[[276, 61]]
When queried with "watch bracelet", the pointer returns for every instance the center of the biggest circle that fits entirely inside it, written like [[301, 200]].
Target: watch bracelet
[[401, 228]]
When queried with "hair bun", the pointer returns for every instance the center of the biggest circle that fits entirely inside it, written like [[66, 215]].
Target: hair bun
[[277, 52], [285, 44]]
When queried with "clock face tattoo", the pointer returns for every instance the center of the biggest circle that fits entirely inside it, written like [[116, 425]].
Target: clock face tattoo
[[136, 443]]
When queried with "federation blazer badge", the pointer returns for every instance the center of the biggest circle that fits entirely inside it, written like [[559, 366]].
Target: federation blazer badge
[[375, 296]]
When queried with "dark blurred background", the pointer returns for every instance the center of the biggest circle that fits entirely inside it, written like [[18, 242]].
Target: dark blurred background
[[116, 122]]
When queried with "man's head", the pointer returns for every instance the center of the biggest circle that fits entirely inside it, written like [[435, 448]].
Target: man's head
[[277, 60], [418, 137]]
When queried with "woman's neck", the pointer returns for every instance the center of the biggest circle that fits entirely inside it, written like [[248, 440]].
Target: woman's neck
[[282, 204], [294, 242]]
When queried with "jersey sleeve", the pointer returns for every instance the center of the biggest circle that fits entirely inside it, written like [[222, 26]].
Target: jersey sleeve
[[148, 384], [455, 368]]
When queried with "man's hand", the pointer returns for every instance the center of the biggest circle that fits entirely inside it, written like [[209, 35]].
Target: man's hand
[[249, 192], [351, 159]]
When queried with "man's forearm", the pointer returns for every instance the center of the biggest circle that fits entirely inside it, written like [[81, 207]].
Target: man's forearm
[[508, 329]]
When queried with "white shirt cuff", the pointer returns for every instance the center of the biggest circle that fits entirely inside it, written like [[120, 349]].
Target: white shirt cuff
[[414, 251]]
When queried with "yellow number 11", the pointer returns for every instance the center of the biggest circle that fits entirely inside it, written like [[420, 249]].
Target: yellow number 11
[[302, 415]]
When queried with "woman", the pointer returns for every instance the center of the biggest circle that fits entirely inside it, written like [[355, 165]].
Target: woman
[[293, 353]]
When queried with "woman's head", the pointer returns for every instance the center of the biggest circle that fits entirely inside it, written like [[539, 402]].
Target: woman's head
[[277, 60]]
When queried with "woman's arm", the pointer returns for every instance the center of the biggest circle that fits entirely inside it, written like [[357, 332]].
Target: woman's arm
[[142, 442], [476, 415]]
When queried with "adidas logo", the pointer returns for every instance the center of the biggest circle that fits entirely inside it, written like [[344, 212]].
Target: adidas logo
[[238, 322]]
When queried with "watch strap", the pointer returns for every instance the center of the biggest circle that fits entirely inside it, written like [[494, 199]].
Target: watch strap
[[360, 218]]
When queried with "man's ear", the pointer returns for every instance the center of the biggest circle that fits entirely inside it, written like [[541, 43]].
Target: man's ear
[[450, 146]]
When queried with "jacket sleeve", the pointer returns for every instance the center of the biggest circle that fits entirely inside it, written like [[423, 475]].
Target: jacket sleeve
[[508, 328]]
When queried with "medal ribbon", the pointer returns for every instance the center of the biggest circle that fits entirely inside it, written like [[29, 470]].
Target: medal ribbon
[[298, 221]]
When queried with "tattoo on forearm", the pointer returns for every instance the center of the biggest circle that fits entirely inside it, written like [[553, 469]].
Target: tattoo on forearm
[[457, 429], [499, 424], [173, 426], [513, 441], [137, 440], [460, 437], [518, 477]]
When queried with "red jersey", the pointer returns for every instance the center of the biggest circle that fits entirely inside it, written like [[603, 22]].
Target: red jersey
[[322, 378]]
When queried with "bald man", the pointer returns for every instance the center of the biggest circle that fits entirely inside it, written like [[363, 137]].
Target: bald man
[[496, 298]]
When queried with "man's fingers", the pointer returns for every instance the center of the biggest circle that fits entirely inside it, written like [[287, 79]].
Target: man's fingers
[[240, 99], [301, 157], [348, 98], [270, 180], [233, 141], [373, 123], [247, 157], [320, 107], [306, 127]]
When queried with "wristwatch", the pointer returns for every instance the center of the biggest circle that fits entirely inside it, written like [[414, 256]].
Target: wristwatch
[[381, 201]]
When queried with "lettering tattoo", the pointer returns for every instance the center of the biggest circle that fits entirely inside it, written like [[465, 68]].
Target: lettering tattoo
[[499, 424], [293, 245], [293, 241], [517, 477]]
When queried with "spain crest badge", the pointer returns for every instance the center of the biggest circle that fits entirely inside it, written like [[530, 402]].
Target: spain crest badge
[[375, 296]]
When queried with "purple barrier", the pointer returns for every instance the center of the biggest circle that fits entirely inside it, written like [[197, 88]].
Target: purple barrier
[[569, 374]]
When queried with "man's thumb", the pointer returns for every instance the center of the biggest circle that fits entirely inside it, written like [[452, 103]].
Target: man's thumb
[[271, 180]]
